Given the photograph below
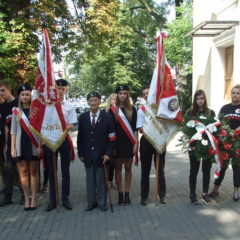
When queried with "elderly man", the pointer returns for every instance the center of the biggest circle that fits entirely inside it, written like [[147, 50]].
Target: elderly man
[[95, 143]]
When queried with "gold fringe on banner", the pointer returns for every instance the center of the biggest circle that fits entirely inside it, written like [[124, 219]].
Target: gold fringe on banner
[[53, 147]]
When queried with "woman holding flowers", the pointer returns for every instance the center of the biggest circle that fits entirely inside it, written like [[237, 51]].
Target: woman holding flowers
[[231, 112], [200, 112]]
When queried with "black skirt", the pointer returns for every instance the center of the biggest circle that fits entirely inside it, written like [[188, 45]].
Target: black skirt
[[124, 147]]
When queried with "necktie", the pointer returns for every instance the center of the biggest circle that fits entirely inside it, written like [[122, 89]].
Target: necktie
[[93, 121]]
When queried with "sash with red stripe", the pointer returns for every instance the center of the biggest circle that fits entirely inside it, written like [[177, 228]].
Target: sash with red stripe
[[24, 122], [143, 108], [8, 119], [126, 128]]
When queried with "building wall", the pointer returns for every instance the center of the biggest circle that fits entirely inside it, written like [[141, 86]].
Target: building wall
[[209, 52]]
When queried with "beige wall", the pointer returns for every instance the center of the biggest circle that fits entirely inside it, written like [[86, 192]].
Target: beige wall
[[209, 52]]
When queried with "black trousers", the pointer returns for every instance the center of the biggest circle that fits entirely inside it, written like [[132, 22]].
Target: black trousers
[[236, 175], [146, 154], [65, 155], [9, 172], [2, 163], [194, 167]]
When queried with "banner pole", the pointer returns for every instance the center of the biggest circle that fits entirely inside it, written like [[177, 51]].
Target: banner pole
[[157, 177], [108, 189]]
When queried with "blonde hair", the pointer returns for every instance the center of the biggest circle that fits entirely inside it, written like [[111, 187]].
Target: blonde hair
[[127, 105], [109, 99]]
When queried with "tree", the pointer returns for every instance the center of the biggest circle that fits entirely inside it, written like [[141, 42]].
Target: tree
[[20, 25], [179, 52], [106, 42], [123, 54]]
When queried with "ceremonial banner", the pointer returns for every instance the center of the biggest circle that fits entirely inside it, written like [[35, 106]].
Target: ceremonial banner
[[46, 118], [162, 104]]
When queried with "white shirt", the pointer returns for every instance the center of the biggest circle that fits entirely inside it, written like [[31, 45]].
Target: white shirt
[[96, 116], [69, 112], [140, 118]]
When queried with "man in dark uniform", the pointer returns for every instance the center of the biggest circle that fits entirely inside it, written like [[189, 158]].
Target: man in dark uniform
[[95, 143], [65, 151], [231, 112], [147, 152], [9, 171]]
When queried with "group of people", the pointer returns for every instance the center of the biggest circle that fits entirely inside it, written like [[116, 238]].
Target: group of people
[[107, 142], [231, 112]]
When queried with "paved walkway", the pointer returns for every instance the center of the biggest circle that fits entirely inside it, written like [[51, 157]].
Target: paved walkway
[[177, 219]]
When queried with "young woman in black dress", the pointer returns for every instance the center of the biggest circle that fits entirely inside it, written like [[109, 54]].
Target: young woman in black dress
[[125, 149], [24, 151]]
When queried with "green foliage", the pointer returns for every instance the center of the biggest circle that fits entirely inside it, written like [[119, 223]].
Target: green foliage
[[105, 42], [124, 53], [20, 25], [179, 52]]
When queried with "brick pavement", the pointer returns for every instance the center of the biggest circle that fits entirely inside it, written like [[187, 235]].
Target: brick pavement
[[177, 219]]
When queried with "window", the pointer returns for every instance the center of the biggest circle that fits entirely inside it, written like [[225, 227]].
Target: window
[[228, 72]]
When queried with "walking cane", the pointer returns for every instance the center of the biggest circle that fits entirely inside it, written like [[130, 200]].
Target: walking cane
[[54, 159], [108, 189], [156, 180]]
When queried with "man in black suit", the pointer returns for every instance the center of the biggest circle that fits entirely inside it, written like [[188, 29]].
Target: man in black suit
[[95, 142]]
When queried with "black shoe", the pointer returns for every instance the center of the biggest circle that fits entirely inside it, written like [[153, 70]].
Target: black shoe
[[22, 200], [120, 199], [127, 199], [51, 206], [91, 208], [27, 208], [193, 199], [162, 200], [67, 204], [5, 201], [143, 202], [206, 198], [3, 190], [103, 208]]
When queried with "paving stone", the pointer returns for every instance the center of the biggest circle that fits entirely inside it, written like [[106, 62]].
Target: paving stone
[[177, 219]]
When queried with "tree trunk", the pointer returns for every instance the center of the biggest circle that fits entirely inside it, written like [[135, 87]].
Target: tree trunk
[[177, 4]]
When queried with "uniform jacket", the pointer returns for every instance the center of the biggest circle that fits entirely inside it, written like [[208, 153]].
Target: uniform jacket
[[93, 144]]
